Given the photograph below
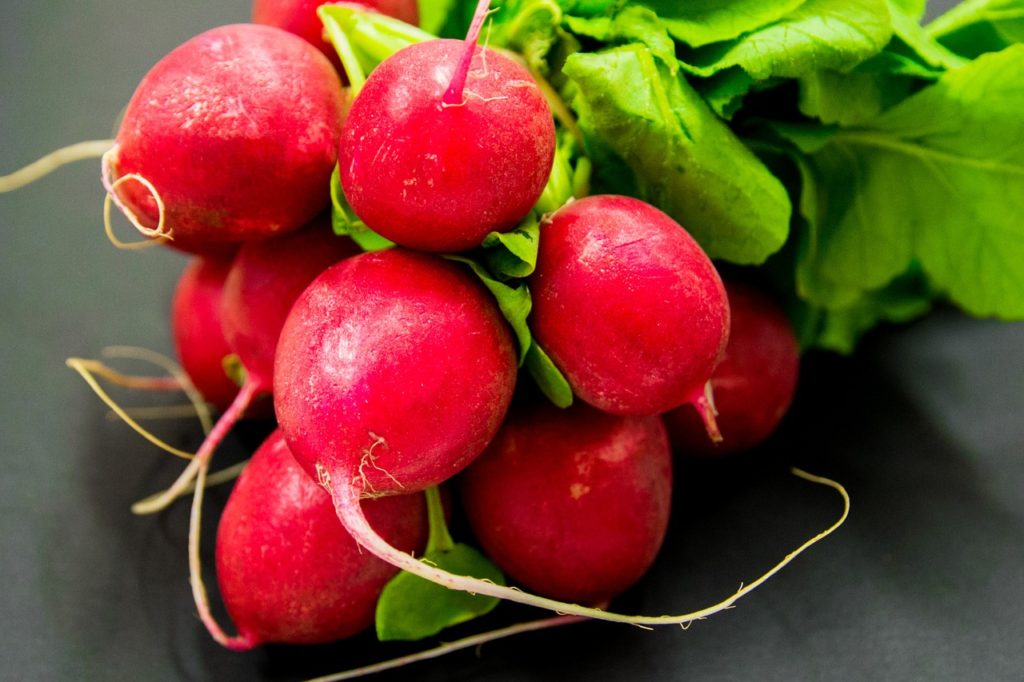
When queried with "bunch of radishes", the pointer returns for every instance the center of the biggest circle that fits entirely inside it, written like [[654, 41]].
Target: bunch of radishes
[[394, 371]]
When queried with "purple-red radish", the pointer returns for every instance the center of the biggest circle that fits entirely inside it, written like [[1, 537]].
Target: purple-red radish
[[232, 136], [299, 17], [287, 570], [572, 504], [394, 370], [628, 306], [446, 142], [753, 384], [195, 326], [263, 282]]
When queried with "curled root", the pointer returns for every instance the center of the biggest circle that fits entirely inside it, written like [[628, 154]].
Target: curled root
[[155, 235]]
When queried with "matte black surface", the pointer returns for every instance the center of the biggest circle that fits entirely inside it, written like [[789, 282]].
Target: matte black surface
[[923, 426]]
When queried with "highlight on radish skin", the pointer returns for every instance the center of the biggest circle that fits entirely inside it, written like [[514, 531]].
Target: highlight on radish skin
[[572, 504], [753, 384], [237, 131], [287, 570], [629, 307]]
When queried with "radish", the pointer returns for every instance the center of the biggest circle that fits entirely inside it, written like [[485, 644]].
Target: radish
[[572, 504], [299, 17], [264, 280], [287, 570], [394, 370], [233, 135], [198, 336], [446, 142], [754, 383], [629, 307]]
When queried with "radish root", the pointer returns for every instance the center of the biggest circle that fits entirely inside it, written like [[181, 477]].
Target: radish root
[[450, 647], [155, 235], [87, 368], [346, 502], [202, 457], [40, 168]]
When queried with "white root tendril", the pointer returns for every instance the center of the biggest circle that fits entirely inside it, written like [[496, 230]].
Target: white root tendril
[[155, 235], [40, 168], [346, 503], [202, 410], [474, 641]]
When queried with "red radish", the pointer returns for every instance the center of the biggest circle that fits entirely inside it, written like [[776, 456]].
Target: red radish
[[446, 142], [195, 325], [288, 572], [628, 306], [233, 135], [572, 504], [394, 370], [299, 17], [264, 280], [753, 384]]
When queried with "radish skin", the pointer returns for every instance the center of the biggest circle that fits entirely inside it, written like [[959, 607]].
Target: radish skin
[[572, 504], [754, 383]]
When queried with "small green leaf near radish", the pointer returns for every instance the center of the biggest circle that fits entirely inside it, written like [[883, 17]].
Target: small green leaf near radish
[[411, 608]]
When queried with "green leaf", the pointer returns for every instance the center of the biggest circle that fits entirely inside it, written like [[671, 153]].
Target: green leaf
[[411, 608], [701, 22], [514, 301], [434, 14], [975, 27], [529, 27], [937, 179], [902, 300], [685, 160], [345, 222], [919, 43], [724, 92], [548, 377], [820, 34], [363, 38], [513, 255], [631, 25]]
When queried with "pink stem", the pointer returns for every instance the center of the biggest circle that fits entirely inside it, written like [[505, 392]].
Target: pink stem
[[240, 642], [453, 95]]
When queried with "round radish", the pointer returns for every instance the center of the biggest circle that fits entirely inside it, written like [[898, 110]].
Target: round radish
[[198, 336], [572, 504], [628, 306], [299, 17], [753, 384], [233, 135], [288, 572], [394, 370], [436, 165]]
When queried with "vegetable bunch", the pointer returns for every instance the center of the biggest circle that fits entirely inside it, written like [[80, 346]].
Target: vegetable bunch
[[559, 203]]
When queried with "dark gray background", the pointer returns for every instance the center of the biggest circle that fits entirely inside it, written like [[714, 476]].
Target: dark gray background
[[923, 426]]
